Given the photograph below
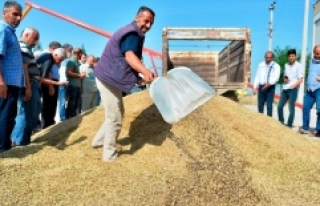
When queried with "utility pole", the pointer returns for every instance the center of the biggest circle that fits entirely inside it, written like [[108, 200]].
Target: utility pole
[[304, 48], [270, 32], [314, 26]]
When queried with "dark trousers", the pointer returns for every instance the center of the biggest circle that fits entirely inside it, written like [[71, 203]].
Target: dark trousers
[[266, 96], [73, 93], [308, 101], [291, 96], [49, 105], [79, 102], [8, 112]]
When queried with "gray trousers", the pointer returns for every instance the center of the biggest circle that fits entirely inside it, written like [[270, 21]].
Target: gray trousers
[[111, 99], [89, 100]]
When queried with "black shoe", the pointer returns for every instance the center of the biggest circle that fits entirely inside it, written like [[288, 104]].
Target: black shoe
[[314, 134], [97, 147]]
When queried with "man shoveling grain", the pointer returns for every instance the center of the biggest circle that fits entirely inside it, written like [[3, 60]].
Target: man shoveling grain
[[117, 72]]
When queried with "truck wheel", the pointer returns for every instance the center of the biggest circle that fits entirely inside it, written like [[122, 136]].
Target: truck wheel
[[231, 95]]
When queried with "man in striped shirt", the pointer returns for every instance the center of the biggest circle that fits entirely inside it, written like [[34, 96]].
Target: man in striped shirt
[[11, 71], [28, 108]]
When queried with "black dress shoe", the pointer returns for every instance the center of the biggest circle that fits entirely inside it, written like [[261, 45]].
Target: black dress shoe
[[315, 134]]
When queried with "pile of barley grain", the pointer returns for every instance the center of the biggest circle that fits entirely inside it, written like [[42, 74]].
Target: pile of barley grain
[[248, 100], [221, 154]]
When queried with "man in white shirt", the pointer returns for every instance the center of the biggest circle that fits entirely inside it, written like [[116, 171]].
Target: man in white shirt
[[293, 76], [267, 76], [89, 87]]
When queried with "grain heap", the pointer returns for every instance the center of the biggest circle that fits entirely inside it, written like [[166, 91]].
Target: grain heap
[[221, 154]]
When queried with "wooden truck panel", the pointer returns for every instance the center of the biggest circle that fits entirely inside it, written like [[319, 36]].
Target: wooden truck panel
[[228, 69], [203, 63]]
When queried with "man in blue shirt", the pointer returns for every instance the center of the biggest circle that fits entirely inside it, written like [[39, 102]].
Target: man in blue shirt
[[130, 42], [312, 94], [11, 71]]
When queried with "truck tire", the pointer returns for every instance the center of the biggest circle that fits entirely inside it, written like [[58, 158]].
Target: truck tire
[[231, 94]]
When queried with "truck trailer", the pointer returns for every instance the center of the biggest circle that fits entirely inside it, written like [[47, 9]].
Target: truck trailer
[[226, 70]]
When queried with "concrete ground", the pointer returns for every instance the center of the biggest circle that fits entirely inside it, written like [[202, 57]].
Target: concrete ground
[[297, 120]]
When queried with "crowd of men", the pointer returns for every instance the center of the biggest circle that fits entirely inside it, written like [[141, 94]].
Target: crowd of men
[[33, 82], [268, 74]]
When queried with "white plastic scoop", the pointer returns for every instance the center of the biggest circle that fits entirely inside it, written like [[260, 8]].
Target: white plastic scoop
[[179, 93]]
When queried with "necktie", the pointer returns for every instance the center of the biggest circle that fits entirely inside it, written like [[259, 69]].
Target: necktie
[[269, 71]]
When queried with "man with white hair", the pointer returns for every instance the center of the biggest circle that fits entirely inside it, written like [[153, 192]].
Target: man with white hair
[[49, 92], [50, 97], [267, 76]]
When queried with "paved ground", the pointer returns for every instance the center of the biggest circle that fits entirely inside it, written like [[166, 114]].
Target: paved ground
[[297, 120], [298, 115]]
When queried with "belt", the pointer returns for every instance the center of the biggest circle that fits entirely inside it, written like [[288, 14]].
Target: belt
[[34, 78], [267, 83]]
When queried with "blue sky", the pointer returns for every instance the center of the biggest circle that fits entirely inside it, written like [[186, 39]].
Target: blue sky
[[110, 15]]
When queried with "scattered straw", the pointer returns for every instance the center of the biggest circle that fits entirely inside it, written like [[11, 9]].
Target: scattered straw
[[221, 154]]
